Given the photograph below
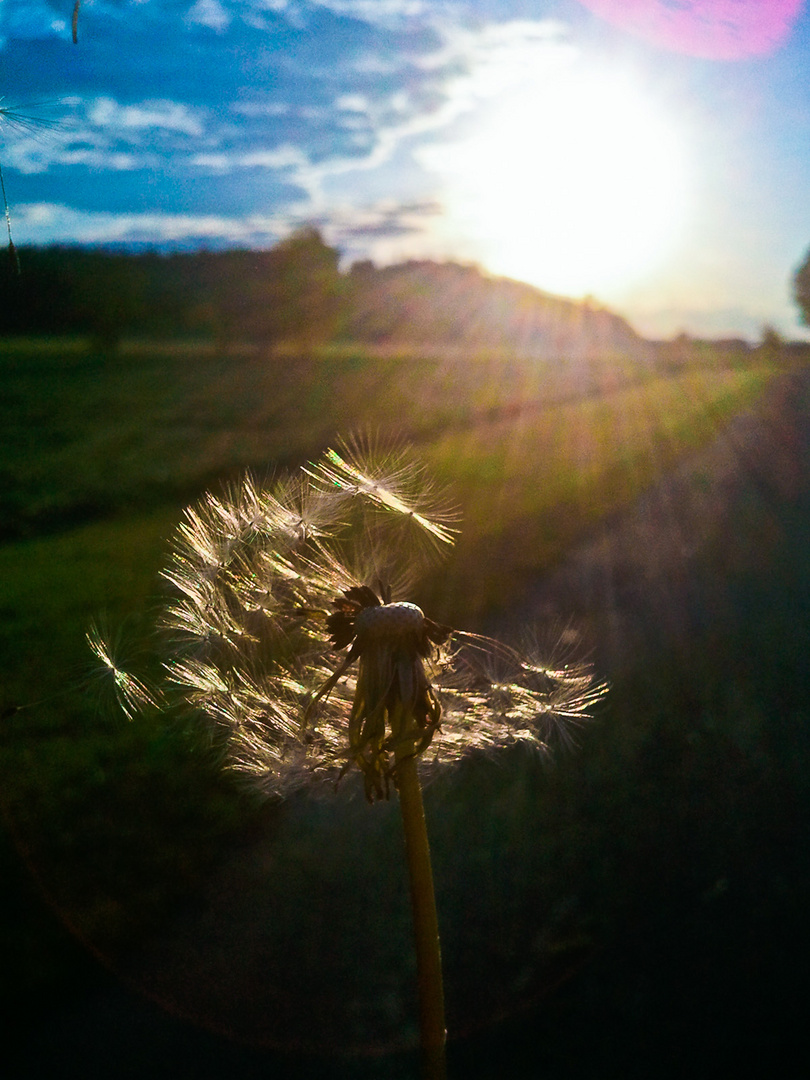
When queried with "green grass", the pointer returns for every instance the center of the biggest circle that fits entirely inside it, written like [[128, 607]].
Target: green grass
[[75, 774], [88, 435], [121, 819], [532, 486]]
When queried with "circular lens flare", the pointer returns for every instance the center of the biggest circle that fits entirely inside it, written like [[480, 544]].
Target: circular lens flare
[[714, 29]]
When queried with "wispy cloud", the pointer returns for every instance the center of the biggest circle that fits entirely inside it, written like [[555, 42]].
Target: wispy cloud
[[343, 149], [282, 158], [104, 112], [350, 102], [384, 12], [371, 227], [100, 133], [40, 223]]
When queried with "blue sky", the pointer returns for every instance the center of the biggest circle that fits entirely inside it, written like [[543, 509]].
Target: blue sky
[[547, 140]]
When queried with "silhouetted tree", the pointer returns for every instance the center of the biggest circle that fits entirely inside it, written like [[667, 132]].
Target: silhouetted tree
[[772, 344], [300, 291], [771, 339], [801, 289]]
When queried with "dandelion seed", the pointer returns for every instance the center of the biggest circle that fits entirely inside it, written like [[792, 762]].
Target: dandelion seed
[[131, 693], [12, 251], [11, 117], [391, 483]]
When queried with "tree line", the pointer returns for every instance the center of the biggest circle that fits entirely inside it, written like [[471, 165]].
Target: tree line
[[295, 293]]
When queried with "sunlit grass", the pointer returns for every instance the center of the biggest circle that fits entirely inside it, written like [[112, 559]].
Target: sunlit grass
[[88, 435], [121, 818], [532, 485]]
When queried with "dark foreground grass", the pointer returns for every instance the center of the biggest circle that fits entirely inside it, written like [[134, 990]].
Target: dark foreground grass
[[113, 820], [121, 825]]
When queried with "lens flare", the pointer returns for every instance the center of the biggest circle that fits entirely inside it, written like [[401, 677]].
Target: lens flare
[[712, 29]]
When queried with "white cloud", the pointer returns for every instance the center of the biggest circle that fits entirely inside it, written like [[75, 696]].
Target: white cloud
[[149, 115], [382, 12], [209, 13], [499, 60], [276, 6], [102, 134], [487, 60], [47, 223], [217, 162], [384, 231], [373, 64], [358, 103], [281, 158], [261, 108]]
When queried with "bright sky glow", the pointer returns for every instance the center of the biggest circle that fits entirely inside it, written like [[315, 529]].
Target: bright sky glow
[[575, 183], [653, 154]]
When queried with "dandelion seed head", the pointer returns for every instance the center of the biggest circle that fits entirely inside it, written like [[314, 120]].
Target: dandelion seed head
[[288, 627]]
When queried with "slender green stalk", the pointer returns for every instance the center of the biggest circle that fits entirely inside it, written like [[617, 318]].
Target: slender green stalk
[[425, 920]]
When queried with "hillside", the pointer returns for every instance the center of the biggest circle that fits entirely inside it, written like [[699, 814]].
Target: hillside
[[431, 303]]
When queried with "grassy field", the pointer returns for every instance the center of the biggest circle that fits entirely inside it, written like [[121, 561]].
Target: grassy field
[[533, 484], [120, 823], [88, 435]]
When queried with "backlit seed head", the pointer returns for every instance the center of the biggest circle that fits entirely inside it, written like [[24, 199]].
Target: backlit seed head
[[284, 631]]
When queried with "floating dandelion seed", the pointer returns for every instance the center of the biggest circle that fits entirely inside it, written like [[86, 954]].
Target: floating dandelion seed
[[12, 250], [396, 485], [130, 693], [290, 629]]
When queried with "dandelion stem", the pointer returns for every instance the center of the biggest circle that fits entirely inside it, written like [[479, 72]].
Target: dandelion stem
[[425, 920]]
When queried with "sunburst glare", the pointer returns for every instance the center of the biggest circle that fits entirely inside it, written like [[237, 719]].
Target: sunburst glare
[[576, 183]]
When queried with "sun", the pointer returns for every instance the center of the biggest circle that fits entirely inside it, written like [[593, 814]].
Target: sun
[[576, 184]]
